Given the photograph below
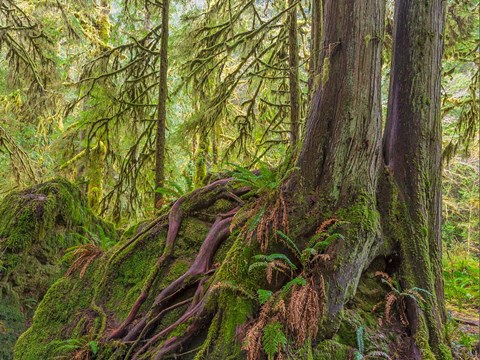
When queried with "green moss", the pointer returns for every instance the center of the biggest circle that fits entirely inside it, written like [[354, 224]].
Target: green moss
[[42, 340], [95, 174], [362, 214], [331, 350], [37, 225], [325, 70], [13, 320]]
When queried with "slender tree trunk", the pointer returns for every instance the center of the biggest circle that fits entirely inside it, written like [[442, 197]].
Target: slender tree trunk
[[412, 153], [293, 75], [315, 43], [201, 158], [162, 106]]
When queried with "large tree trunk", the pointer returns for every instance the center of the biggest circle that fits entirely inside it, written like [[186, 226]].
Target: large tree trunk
[[339, 161], [293, 76], [412, 155], [315, 44]]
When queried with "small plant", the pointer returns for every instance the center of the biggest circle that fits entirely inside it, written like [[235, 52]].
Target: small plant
[[297, 302], [260, 181], [76, 349], [95, 246], [274, 340], [170, 191], [360, 353], [464, 343], [397, 297], [263, 217]]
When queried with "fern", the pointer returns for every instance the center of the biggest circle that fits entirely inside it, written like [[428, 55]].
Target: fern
[[281, 257], [258, 265], [290, 244], [93, 347], [264, 295], [299, 280], [264, 180], [172, 189], [273, 339], [360, 341], [234, 287], [69, 345], [263, 260], [256, 219]]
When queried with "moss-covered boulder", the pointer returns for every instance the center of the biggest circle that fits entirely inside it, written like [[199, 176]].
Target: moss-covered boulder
[[37, 225], [78, 313]]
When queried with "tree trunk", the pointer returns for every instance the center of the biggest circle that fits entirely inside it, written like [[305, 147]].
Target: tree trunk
[[162, 106], [340, 157], [201, 157], [412, 155], [315, 41], [293, 76]]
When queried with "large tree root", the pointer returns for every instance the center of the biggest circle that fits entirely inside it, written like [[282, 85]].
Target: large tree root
[[211, 193], [202, 264], [194, 310]]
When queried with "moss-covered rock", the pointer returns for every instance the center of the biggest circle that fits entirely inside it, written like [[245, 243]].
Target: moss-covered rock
[[37, 225], [103, 297]]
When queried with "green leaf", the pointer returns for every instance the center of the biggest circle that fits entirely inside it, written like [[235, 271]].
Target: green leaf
[[258, 265], [282, 257], [93, 346], [273, 339], [290, 243], [264, 295], [299, 280]]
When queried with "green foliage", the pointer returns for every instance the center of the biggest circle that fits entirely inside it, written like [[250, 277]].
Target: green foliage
[[262, 261], [273, 339], [264, 295], [361, 352], [316, 245], [81, 347], [299, 280], [396, 288], [36, 226], [461, 274], [265, 180]]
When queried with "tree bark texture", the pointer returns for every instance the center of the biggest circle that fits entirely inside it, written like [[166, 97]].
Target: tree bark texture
[[412, 154], [293, 75]]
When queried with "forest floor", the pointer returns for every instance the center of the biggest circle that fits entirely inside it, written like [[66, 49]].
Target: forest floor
[[462, 293]]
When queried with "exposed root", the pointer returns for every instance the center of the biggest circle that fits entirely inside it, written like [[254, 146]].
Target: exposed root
[[201, 267], [175, 219]]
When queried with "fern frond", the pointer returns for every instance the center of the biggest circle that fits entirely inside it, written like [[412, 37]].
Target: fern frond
[[273, 339], [360, 342], [290, 243]]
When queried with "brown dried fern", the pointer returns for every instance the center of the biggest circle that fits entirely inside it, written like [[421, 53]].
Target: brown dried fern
[[304, 311], [84, 255]]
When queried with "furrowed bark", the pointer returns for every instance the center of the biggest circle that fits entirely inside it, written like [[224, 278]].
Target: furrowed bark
[[315, 41], [293, 76], [339, 160], [412, 153]]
